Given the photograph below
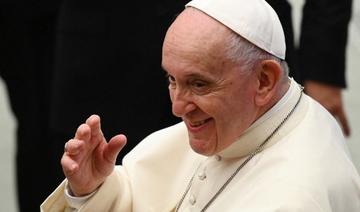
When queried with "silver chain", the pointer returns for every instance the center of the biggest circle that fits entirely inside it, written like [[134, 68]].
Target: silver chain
[[255, 152]]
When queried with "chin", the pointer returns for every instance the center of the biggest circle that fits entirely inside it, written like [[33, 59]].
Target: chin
[[202, 147]]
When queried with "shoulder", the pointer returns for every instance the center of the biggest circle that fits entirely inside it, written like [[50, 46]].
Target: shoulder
[[319, 121], [165, 137], [283, 196], [160, 143]]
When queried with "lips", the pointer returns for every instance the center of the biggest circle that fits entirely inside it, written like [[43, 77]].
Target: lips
[[196, 125]]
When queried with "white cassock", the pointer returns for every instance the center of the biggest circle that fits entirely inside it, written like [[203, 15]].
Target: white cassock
[[304, 167]]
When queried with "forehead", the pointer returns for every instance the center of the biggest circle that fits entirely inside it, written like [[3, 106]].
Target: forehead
[[195, 41], [194, 28]]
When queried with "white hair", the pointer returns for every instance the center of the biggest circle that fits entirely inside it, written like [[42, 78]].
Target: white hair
[[247, 55]]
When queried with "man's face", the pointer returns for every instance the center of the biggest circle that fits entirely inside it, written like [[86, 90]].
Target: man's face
[[210, 93]]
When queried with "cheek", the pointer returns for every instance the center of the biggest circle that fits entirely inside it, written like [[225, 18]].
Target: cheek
[[223, 113], [242, 118], [235, 113]]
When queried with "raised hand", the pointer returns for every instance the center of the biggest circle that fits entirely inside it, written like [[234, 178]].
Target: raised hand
[[88, 159]]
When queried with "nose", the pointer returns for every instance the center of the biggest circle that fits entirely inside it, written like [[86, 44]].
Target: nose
[[181, 103]]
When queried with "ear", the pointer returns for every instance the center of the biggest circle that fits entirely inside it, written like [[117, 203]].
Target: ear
[[268, 76]]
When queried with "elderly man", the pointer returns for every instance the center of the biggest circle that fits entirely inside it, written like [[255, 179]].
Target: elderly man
[[250, 139]]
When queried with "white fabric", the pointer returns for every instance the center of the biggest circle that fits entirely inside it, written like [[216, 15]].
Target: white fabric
[[76, 202], [304, 168], [255, 20]]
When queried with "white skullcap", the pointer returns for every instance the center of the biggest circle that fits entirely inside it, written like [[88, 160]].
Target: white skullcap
[[254, 20]]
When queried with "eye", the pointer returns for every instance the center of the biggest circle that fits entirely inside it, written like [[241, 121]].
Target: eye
[[171, 80], [200, 87], [198, 84]]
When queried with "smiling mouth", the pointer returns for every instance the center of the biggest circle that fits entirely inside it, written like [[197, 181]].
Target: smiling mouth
[[199, 123]]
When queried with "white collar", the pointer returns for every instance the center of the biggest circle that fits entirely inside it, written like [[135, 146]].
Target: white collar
[[267, 123]]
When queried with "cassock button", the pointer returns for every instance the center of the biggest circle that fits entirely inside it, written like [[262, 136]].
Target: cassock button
[[218, 157], [202, 176], [192, 199]]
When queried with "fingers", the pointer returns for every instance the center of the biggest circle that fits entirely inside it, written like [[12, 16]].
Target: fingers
[[74, 147], [83, 132], [114, 147], [69, 165], [90, 132], [94, 123], [89, 148], [69, 161], [82, 144]]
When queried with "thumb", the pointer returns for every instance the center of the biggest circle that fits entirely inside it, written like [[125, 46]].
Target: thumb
[[114, 147]]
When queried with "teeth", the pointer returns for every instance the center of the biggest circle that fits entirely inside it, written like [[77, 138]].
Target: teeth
[[198, 123]]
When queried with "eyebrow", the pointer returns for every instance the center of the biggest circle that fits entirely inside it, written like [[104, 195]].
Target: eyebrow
[[190, 75]]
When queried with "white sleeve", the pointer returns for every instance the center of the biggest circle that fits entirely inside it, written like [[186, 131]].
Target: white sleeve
[[76, 202]]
